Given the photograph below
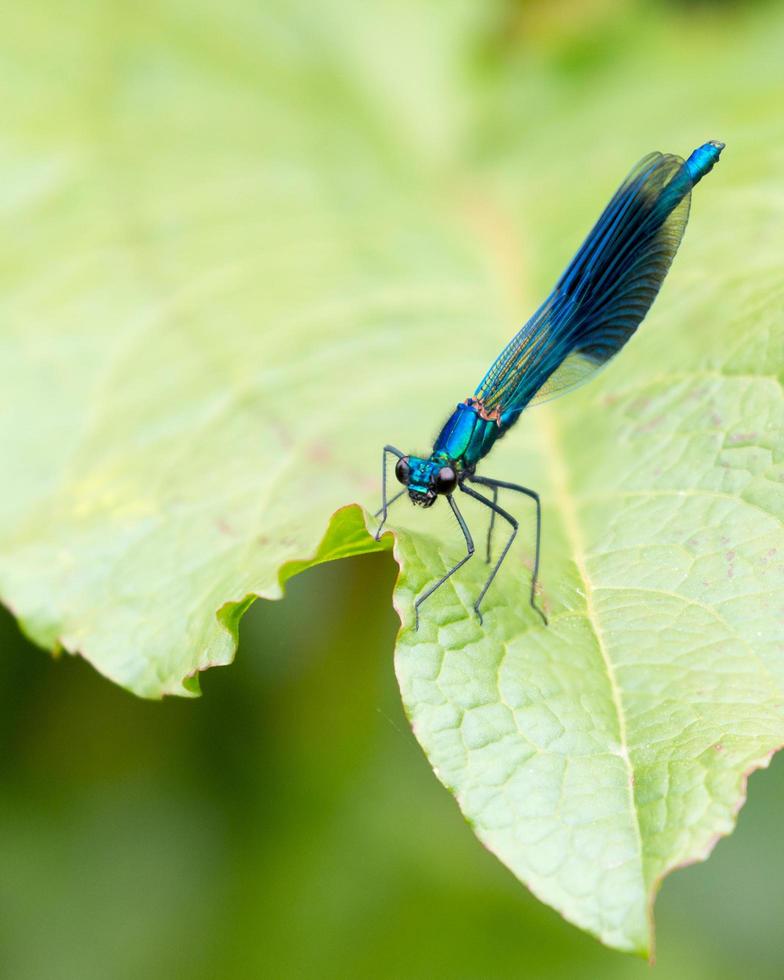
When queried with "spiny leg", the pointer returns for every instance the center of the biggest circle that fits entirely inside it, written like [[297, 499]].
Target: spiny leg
[[385, 504], [490, 529], [391, 501], [507, 517], [503, 485], [469, 551]]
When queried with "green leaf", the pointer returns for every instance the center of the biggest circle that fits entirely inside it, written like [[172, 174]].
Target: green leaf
[[252, 243]]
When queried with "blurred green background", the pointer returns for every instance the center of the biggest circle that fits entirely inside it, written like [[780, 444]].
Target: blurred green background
[[288, 825]]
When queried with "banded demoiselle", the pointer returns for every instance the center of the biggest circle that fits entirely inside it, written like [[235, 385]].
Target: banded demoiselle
[[595, 307]]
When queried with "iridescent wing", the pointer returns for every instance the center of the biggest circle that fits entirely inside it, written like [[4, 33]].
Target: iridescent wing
[[605, 292]]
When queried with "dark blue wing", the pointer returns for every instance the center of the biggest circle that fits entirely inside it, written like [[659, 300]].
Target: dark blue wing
[[602, 296]]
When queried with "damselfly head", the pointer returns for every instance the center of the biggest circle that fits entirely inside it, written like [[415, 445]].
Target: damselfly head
[[425, 478]]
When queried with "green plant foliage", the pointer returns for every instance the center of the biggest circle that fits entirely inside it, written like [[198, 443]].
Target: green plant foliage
[[251, 243]]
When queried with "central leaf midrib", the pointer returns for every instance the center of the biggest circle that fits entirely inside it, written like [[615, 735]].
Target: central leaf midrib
[[565, 500]]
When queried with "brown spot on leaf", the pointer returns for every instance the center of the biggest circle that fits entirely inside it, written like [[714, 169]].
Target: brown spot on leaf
[[318, 452]]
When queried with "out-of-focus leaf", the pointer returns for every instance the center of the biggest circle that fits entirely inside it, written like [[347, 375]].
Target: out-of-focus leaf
[[247, 245]]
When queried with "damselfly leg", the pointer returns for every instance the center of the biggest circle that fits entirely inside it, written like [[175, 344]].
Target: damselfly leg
[[389, 503], [386, 504], [469, 552], [490, 528], [496, 485]]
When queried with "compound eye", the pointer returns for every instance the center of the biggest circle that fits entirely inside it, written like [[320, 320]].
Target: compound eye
[[402, 470], [446, 481]]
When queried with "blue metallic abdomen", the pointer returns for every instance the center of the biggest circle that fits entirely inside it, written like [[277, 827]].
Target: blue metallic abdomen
[[466, 437], [703, 160]]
